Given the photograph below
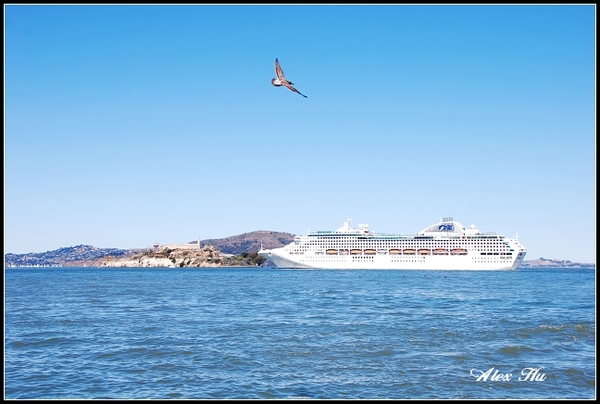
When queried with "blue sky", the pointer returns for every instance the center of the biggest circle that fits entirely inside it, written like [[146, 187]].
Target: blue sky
[[129, 125]]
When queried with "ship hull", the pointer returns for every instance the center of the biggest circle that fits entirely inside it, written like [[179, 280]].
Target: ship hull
[[282, 259]]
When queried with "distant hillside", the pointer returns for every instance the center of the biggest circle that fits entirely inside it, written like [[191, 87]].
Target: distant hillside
[[250, 242], [66, 256], [550, 263]]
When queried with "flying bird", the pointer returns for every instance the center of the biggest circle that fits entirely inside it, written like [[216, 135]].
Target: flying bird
[[282, 81]]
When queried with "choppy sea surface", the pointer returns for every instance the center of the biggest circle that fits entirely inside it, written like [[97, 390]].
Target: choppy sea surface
[[263, 333]]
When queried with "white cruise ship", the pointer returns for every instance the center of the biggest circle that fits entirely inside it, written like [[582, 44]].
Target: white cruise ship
[[447, 245]]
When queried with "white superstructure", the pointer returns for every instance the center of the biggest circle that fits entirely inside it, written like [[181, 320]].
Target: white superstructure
[[442, 246]]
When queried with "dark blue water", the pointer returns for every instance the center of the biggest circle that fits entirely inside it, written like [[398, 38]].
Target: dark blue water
[[276, 334]]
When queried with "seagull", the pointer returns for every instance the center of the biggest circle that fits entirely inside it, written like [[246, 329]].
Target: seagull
[[282, 81]]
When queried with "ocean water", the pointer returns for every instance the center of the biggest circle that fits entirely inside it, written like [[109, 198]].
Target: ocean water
[[264, 333]]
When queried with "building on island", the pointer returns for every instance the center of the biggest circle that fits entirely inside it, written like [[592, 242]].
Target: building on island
[[193, 245]]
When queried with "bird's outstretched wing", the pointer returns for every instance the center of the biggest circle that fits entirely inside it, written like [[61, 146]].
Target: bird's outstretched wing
[[278, 70], [292, 88]]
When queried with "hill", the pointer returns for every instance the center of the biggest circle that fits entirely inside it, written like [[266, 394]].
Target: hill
[[249, 242], [550, 263], [66, 256], [87, 255]]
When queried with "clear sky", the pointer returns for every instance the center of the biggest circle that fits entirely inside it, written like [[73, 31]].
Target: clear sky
[[129, 125]]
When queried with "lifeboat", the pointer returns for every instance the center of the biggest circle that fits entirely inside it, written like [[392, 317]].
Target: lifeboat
[[440, 251], [369, 251], [458, 251], [331, 251], [356, 251], [409, 251], [343, 252], [395, 251], [424, 251]]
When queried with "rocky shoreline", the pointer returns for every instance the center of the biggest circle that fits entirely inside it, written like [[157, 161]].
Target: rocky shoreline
[[208, 256]]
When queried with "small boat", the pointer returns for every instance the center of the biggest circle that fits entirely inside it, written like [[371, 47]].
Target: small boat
[[369, 251], [440, 251], [424, 251], [458, 251], [409, 251], [395, 251], [344, 251], [356, 251], [331, 251]]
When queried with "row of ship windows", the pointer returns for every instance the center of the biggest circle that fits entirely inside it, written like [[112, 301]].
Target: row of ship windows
[[488, 251], [488, 259], [398, 238], [367, 255], [495, 253], [412, 247], [408, 243], [329, 238], [408, 260], [403, 246]]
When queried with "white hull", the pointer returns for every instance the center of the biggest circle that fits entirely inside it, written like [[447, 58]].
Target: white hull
[[347, 248], [430, 262]]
